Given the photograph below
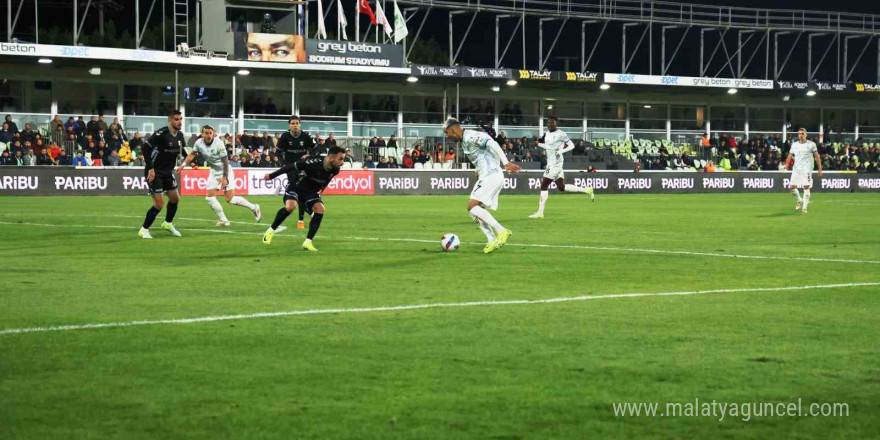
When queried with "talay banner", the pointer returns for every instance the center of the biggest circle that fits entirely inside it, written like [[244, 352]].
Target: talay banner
[[65, 181], [281, 48]]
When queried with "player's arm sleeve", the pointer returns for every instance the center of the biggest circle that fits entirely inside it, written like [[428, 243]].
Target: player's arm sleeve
[[569, 145], [283, 170], [152, 153], [496, 150], [311, 147]]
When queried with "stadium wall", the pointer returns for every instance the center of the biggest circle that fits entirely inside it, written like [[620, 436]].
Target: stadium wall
[[56, 181]]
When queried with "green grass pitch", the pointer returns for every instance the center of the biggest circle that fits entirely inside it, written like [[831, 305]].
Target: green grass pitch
[[504, 371]]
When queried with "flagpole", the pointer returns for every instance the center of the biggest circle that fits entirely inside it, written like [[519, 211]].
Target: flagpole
[[378, 7], [357, 23]]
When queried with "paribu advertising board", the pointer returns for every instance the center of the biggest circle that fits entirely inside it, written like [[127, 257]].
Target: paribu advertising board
[[62, 181]]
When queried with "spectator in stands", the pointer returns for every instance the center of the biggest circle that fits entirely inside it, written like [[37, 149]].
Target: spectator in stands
[[872, 167], [579, 148], [6, 134], [421, 158], [234, 162], [30, 159], [663, 160], [99, 159], [383, 163], [392, 143], [86, 141], [638, 167], [528, 156], [56, 127], [369, 164], [678, 162], [710, 167], [244, 140], [5, 159], [743, 161], [591, 169], [542, 159], [686, 159], [16, 148], [28, 134], [407, 161], [18, 158], [102, 125], [392, 162], [268, 141], [439, 155], [63, 159], [374, 143], [115, 143], [258, 162], [725, 162], [381, 142], [70, 124], [54, 151], [450, 155], [125, 154], [331, 141], [245, 161], [92, 126], [112, 160], [276, 162], [12, 126]]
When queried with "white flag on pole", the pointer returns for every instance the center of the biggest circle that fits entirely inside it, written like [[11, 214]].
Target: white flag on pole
[[322, 31], [400, 30], [380, 16], [342, 21]]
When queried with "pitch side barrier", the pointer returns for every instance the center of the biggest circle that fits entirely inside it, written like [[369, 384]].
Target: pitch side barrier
[[50, 181]]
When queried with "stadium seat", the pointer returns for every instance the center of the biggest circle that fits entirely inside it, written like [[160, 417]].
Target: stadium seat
[[438, 166], [448, 165], [382, 153], [357, 165], [418, 166], [346, 166]]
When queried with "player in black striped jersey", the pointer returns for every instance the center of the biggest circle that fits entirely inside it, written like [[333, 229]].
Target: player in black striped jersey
[[307, 179]]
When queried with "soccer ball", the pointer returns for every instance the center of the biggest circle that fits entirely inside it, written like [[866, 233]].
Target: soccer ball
[[450, 242]]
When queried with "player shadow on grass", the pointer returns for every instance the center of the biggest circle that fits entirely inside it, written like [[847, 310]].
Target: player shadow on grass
[[779, 214]]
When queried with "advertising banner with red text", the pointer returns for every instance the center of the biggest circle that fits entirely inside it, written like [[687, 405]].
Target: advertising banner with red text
[[195, 182]]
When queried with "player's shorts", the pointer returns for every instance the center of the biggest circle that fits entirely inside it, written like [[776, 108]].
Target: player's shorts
[[554, 173], [214, 180], [801, 180], [162, 183], [307, 199], [487, 189]]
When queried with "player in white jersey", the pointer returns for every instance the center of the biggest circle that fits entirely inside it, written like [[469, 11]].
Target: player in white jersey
[[222, 176], [804, 153], [557, 143], [487, 157]]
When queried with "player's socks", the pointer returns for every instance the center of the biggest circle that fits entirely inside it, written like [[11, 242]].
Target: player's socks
[[151, 217], [280, 217], [542, 200], [241, 201], [806, 199], [480, 213], [797, 195], [591, 194], [218, 208], [314, 225], [169, 214], [490, 235], [575, 189]]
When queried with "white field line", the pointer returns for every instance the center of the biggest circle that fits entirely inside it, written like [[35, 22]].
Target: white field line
[[420, 240], [60, 328]]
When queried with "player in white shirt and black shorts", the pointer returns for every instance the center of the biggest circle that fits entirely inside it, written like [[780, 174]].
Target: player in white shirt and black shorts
[[488, 158], [804, 153], [222, 177], [557, 143]]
